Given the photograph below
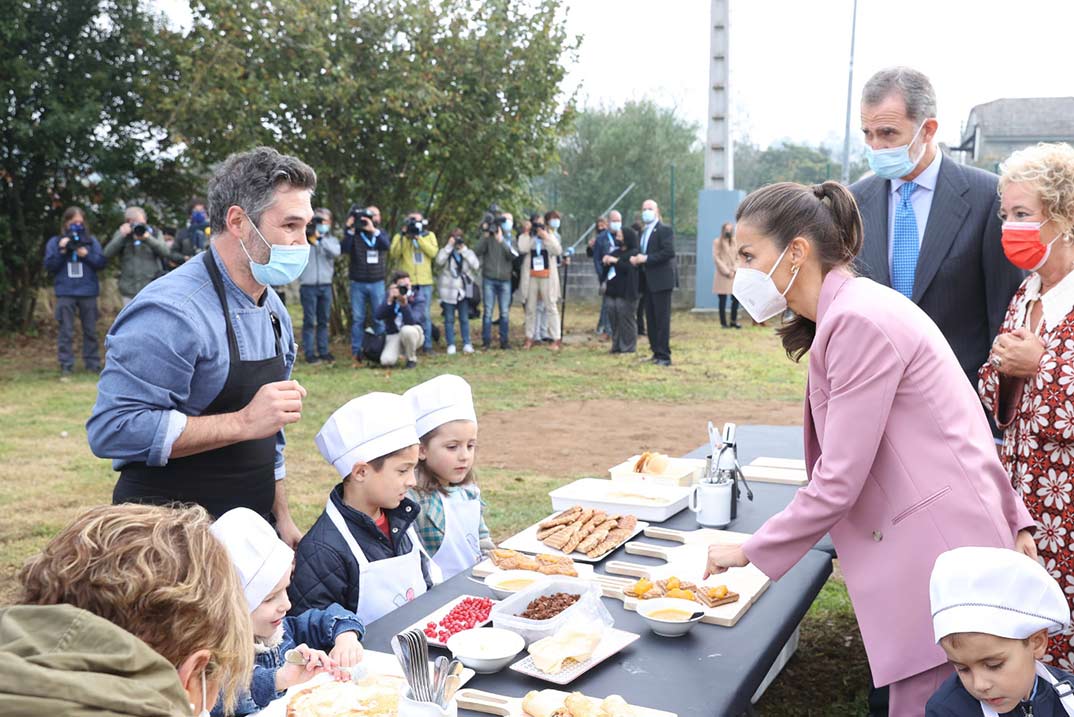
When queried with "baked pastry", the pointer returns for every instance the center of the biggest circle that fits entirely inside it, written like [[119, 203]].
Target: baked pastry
[[585, 531], [598, 536], [581, 706], [651, 462], [550, 654], [373, 696], [713, 596], [546, 703], [615, 706], [564, 518], [644, 589]]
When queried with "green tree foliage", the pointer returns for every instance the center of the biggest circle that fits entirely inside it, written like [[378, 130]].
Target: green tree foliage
[[610, 148], [787, 162], [75, 75]]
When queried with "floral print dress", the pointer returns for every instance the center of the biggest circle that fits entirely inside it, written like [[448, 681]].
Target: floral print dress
[[1038, 445]]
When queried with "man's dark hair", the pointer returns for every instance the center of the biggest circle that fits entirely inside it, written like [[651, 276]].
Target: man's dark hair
[[397, 275]]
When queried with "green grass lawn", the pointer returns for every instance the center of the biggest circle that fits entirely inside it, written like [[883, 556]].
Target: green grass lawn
[[48, 474]]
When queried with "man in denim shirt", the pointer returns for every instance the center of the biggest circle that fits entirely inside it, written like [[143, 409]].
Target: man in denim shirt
[[195, 393]]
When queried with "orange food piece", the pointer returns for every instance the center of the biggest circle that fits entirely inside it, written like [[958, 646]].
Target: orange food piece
[[642, 586], [674, 583], [718, 593], [681, 594]]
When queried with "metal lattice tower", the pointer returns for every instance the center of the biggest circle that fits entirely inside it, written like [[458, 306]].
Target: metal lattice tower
[[719, 148]]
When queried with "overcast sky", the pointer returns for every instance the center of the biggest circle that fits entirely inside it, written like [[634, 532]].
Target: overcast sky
[[789, 57]]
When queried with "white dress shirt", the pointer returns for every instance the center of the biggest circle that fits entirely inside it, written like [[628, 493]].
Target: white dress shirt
[[920, 200]]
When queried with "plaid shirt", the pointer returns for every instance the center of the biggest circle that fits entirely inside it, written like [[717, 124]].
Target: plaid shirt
[[431, 520]]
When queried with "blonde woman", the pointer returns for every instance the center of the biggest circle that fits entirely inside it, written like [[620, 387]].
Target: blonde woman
[[1028, 381], [724, 259], [130, 610]]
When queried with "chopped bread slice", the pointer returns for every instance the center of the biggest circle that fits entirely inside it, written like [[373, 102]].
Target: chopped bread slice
[[597, 537], [559, 539], [587, 528], [567, 516], [558, 569], [712, 597]]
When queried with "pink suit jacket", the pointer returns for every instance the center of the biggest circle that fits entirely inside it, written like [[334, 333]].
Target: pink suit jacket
[[902, 468]]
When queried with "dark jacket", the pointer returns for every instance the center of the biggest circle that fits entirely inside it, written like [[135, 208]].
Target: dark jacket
[[316, 628], [140, 260], [413, 313], [355, 246], [658, 271], [194, 238], [952, 699], [963, 282], [496, 257], [56, 261], [325, 570], [625, 283], [597, 252]]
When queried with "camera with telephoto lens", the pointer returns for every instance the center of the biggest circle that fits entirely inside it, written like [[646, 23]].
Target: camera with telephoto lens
[[413, 226], [493, 221], [139, 230], [360, 214], [403, 289], [76, 236]]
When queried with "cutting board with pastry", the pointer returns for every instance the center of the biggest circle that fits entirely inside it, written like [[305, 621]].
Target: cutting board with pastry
[[582, 534], [659, 468], [543, 563], [553, 703], [724, 598]]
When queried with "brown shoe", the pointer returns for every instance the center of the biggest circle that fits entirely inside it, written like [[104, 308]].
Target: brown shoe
[[528, 345], [556, 346]]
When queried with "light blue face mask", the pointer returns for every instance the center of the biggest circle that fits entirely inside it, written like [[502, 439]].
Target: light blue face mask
[[285, 263], [894, 162], [615, 226], [322, 229], [508, 225], [554, 223], [648, 216]]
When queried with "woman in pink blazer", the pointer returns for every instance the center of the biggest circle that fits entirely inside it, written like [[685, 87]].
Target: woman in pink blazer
[[901, 461]]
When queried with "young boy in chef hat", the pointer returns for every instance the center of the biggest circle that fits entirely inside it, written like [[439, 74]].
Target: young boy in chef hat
[[451, 525], [363, 552], [263, 563], [992, 612]]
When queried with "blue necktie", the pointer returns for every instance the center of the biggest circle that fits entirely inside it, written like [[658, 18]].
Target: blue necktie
[[905, 243]]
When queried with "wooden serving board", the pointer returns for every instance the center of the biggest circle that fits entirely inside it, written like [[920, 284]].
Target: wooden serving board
[[708, 536], [780, 476], [687, 562], [792, 464], [494, 704], [486, 567]]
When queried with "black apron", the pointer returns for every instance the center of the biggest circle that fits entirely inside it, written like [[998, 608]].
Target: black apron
[[239, 475]]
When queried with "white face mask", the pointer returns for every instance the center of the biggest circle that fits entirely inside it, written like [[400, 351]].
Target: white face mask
[[758, 294]]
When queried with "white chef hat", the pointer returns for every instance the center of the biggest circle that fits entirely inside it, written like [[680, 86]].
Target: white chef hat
[[366, 428], [259, 556], [995, 591], [441, 400]]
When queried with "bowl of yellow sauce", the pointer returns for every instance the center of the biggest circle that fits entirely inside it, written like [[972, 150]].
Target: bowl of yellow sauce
[[506, 583], [670, 617]]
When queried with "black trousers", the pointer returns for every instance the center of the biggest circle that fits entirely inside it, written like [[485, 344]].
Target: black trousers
[[723, 309], [658, 316], [640, 318]]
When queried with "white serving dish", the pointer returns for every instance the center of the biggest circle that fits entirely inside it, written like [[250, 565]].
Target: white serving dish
[[494, 581], [439, 614], [486, 649], [505, 614], [670, 628], [680, 471], [527, 542], [612, 642], [647, 500]]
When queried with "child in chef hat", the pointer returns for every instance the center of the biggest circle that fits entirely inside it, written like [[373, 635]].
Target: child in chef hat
[[263, 563], [451, 525], [363, 552], [993, 611]]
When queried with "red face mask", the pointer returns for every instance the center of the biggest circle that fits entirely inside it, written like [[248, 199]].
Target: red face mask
[[1021, 244]]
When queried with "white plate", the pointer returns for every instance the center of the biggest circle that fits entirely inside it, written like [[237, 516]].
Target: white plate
[[645, 499], [613, 641], [527, 542], [441, 613]]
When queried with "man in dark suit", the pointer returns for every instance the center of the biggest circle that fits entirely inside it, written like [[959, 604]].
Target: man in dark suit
[[932, 229], [656, 262]]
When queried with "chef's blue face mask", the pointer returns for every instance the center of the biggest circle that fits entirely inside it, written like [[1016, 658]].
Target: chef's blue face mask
[[894, 162], [285, 263]]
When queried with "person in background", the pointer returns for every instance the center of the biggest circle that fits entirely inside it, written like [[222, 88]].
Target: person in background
[[316, 287], [540, 279], [599, 244], [640, 312], [141, 253], [403, 313], [497, 255], [1025, 384], [194, 237], [725, 259], [621, 282], [175, 256], [129, 611], [544, 331], [367, 245], [655, 261], [456, 262], [413, 251], [73, 258]]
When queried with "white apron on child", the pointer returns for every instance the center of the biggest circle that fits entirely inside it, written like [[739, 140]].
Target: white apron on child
[[461, 549], [385, 584], [1065, 691]]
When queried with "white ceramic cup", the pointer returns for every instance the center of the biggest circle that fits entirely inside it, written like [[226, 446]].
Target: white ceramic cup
[[712, 504], [409, 707]]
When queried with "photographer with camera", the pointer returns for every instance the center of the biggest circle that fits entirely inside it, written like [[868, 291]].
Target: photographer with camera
[[456, 285], [403, 313], [140, 253], [540, 279], [367, 246], [497, 253], [315, 286], [74, 258], [413, 251], [551, 224], [194, 237]]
